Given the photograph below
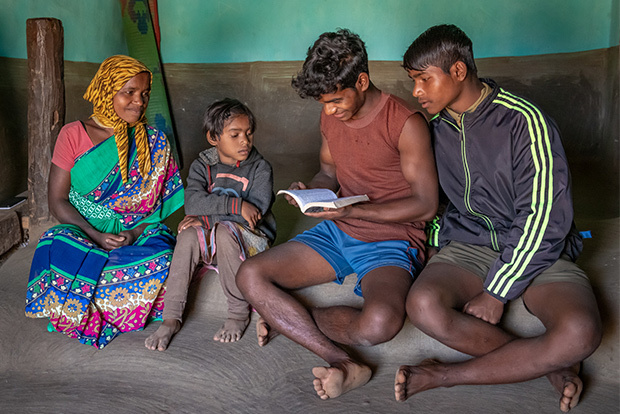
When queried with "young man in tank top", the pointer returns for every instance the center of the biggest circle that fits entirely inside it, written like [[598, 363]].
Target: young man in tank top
[[373, 144]]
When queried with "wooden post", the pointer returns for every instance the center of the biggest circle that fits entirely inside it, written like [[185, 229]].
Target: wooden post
[[46, 107]]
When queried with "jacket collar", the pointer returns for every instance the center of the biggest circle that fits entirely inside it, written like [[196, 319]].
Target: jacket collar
[[481, 109]]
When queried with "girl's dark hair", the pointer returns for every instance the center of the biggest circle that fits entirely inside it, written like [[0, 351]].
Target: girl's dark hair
[[334, 61], [220, 113], [440, 46]]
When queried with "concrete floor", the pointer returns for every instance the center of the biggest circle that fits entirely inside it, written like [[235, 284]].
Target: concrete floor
[[43, 372]]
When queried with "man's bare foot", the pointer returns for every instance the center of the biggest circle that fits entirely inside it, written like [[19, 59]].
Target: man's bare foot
[[568, 384], [412, 379], [335, 380], [264, 332], [232, 330], [160, 339]]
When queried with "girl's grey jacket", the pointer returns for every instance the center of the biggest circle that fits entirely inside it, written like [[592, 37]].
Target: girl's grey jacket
[[215, 191]]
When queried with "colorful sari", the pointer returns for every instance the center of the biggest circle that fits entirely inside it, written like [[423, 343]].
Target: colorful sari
[[89, 293]]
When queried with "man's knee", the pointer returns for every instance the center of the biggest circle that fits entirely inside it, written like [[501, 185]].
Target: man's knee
[[380, 325], [591, 334], [249, 276], [580, 335], [423, 305]]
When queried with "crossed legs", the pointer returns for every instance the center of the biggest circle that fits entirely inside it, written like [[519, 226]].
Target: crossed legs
[[381, 317], [264, 281], [567, 310]]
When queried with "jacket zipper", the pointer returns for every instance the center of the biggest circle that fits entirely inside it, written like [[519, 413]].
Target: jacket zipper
[[467, 193]]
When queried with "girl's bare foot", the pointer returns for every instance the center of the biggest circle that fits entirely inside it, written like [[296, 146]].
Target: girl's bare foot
[[232, 330], [160, 339], [335, 380]]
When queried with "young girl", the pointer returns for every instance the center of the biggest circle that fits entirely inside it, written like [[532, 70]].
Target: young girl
[[228, 205]]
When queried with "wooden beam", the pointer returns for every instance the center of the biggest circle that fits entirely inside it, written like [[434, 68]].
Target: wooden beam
[[46, 107]]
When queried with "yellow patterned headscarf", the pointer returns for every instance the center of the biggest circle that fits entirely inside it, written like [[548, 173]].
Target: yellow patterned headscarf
[[112, 75]]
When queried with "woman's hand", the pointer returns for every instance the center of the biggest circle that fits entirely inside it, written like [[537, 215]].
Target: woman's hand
[[132, 235], [108, 241], [111, 241], [250, 213]]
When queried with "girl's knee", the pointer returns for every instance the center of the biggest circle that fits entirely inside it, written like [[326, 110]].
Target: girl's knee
[[187, 237], [225, 240], [223, 235]]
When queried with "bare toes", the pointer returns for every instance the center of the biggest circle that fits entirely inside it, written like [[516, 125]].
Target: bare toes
[[400, 384], [231, 331], [160, 339]]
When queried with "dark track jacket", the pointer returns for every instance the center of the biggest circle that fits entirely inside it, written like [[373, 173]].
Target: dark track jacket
[[505, 174], [214, 191]]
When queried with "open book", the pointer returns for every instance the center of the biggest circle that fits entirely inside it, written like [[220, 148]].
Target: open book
[[315, 199]]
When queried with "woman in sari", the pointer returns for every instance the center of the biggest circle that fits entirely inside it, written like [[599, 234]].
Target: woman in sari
[[113, 180]]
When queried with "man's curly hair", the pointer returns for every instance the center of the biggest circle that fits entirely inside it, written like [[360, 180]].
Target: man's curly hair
[[334, 61]]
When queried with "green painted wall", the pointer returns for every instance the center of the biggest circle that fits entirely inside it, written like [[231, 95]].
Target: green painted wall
[[227, 31], [93, 28]]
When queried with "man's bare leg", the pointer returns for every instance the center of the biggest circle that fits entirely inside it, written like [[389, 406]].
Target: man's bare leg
[[160, 339], [567, 310], [232, 330], [466, 285], [435, 306], [412, 379], [262, 279], [583, 314], [381, 317]]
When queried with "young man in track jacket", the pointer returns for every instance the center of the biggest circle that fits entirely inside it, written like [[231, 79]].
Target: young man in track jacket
[[507, 232]]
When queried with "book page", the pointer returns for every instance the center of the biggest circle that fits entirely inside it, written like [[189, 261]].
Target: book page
[[316, 199]]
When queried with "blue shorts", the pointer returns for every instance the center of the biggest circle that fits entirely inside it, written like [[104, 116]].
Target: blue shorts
[[348, 255]]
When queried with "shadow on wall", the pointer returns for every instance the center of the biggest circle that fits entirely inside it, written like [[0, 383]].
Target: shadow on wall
[[579, 90], [13, 126]]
